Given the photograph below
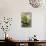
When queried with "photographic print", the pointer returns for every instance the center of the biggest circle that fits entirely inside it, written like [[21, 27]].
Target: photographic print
[[26, 18]]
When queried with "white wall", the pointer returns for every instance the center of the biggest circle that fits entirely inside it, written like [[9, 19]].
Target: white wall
[[45, 28], [13, 8]]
